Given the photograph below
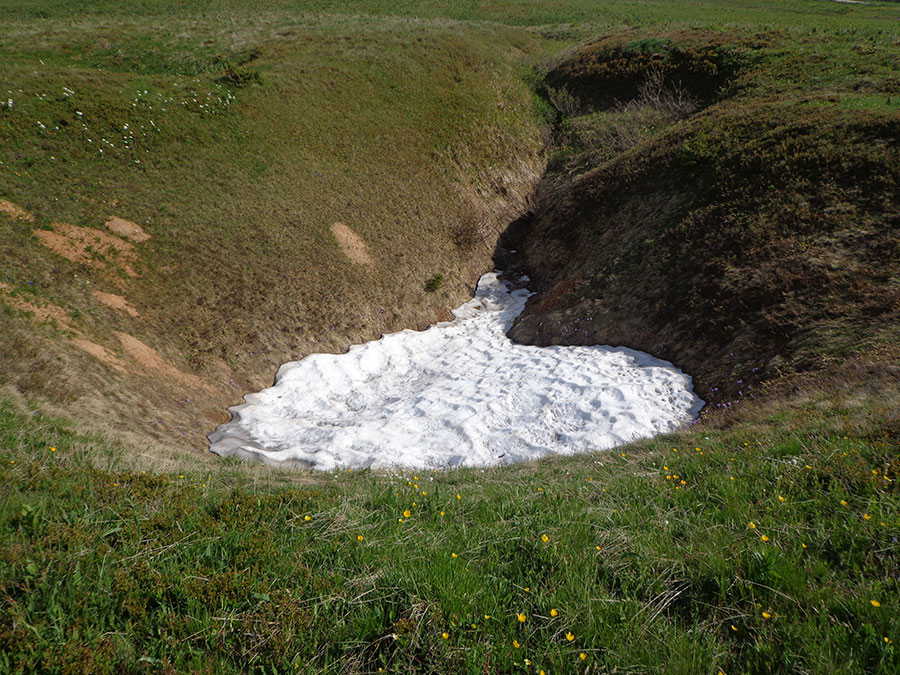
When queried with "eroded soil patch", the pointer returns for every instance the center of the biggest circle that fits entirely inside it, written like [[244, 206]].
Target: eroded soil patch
[[11, 209], [353, 246], [151, 360], [126, 228], [116, 302], [88, 246]]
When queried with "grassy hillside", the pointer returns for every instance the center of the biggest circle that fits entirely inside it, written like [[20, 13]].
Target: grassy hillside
[[287, 176], [237, 148], [727, 201]]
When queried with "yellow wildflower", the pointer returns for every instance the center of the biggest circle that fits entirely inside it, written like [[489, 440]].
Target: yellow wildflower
[[307, 518], [766, 615], [458, 496], [521, 617], [875, 603], [867, 516], [752, 525], [553, 612], [570, 637], [445, 635], [545, 538], [516, 644], [764, 538], [453, 555], [843, 502], [407, 513], [359, 537], [582, 656]]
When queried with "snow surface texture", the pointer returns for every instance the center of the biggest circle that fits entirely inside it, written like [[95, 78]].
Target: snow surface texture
[[458, 394]]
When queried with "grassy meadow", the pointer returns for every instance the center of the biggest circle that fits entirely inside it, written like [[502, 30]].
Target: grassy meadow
[[766, 548], [762, 539]]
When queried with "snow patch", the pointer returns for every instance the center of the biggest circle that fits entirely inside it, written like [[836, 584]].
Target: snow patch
[[458, 394]]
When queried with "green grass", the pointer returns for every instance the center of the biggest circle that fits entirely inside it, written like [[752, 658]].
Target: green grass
[[654, 558], [251, 129], [559, 18]]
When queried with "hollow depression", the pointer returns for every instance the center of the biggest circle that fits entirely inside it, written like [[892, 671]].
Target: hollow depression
[[458, 394]]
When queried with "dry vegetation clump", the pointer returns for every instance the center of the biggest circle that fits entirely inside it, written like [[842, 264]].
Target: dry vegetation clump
[[586, 141], [601, 74]]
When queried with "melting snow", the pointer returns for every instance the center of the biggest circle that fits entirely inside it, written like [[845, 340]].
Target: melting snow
[[458, 394]]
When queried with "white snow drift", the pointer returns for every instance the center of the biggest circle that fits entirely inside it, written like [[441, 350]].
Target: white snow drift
[[458, 394]]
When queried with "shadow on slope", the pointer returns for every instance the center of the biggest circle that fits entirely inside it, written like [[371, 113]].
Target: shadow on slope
[[754, 238]]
